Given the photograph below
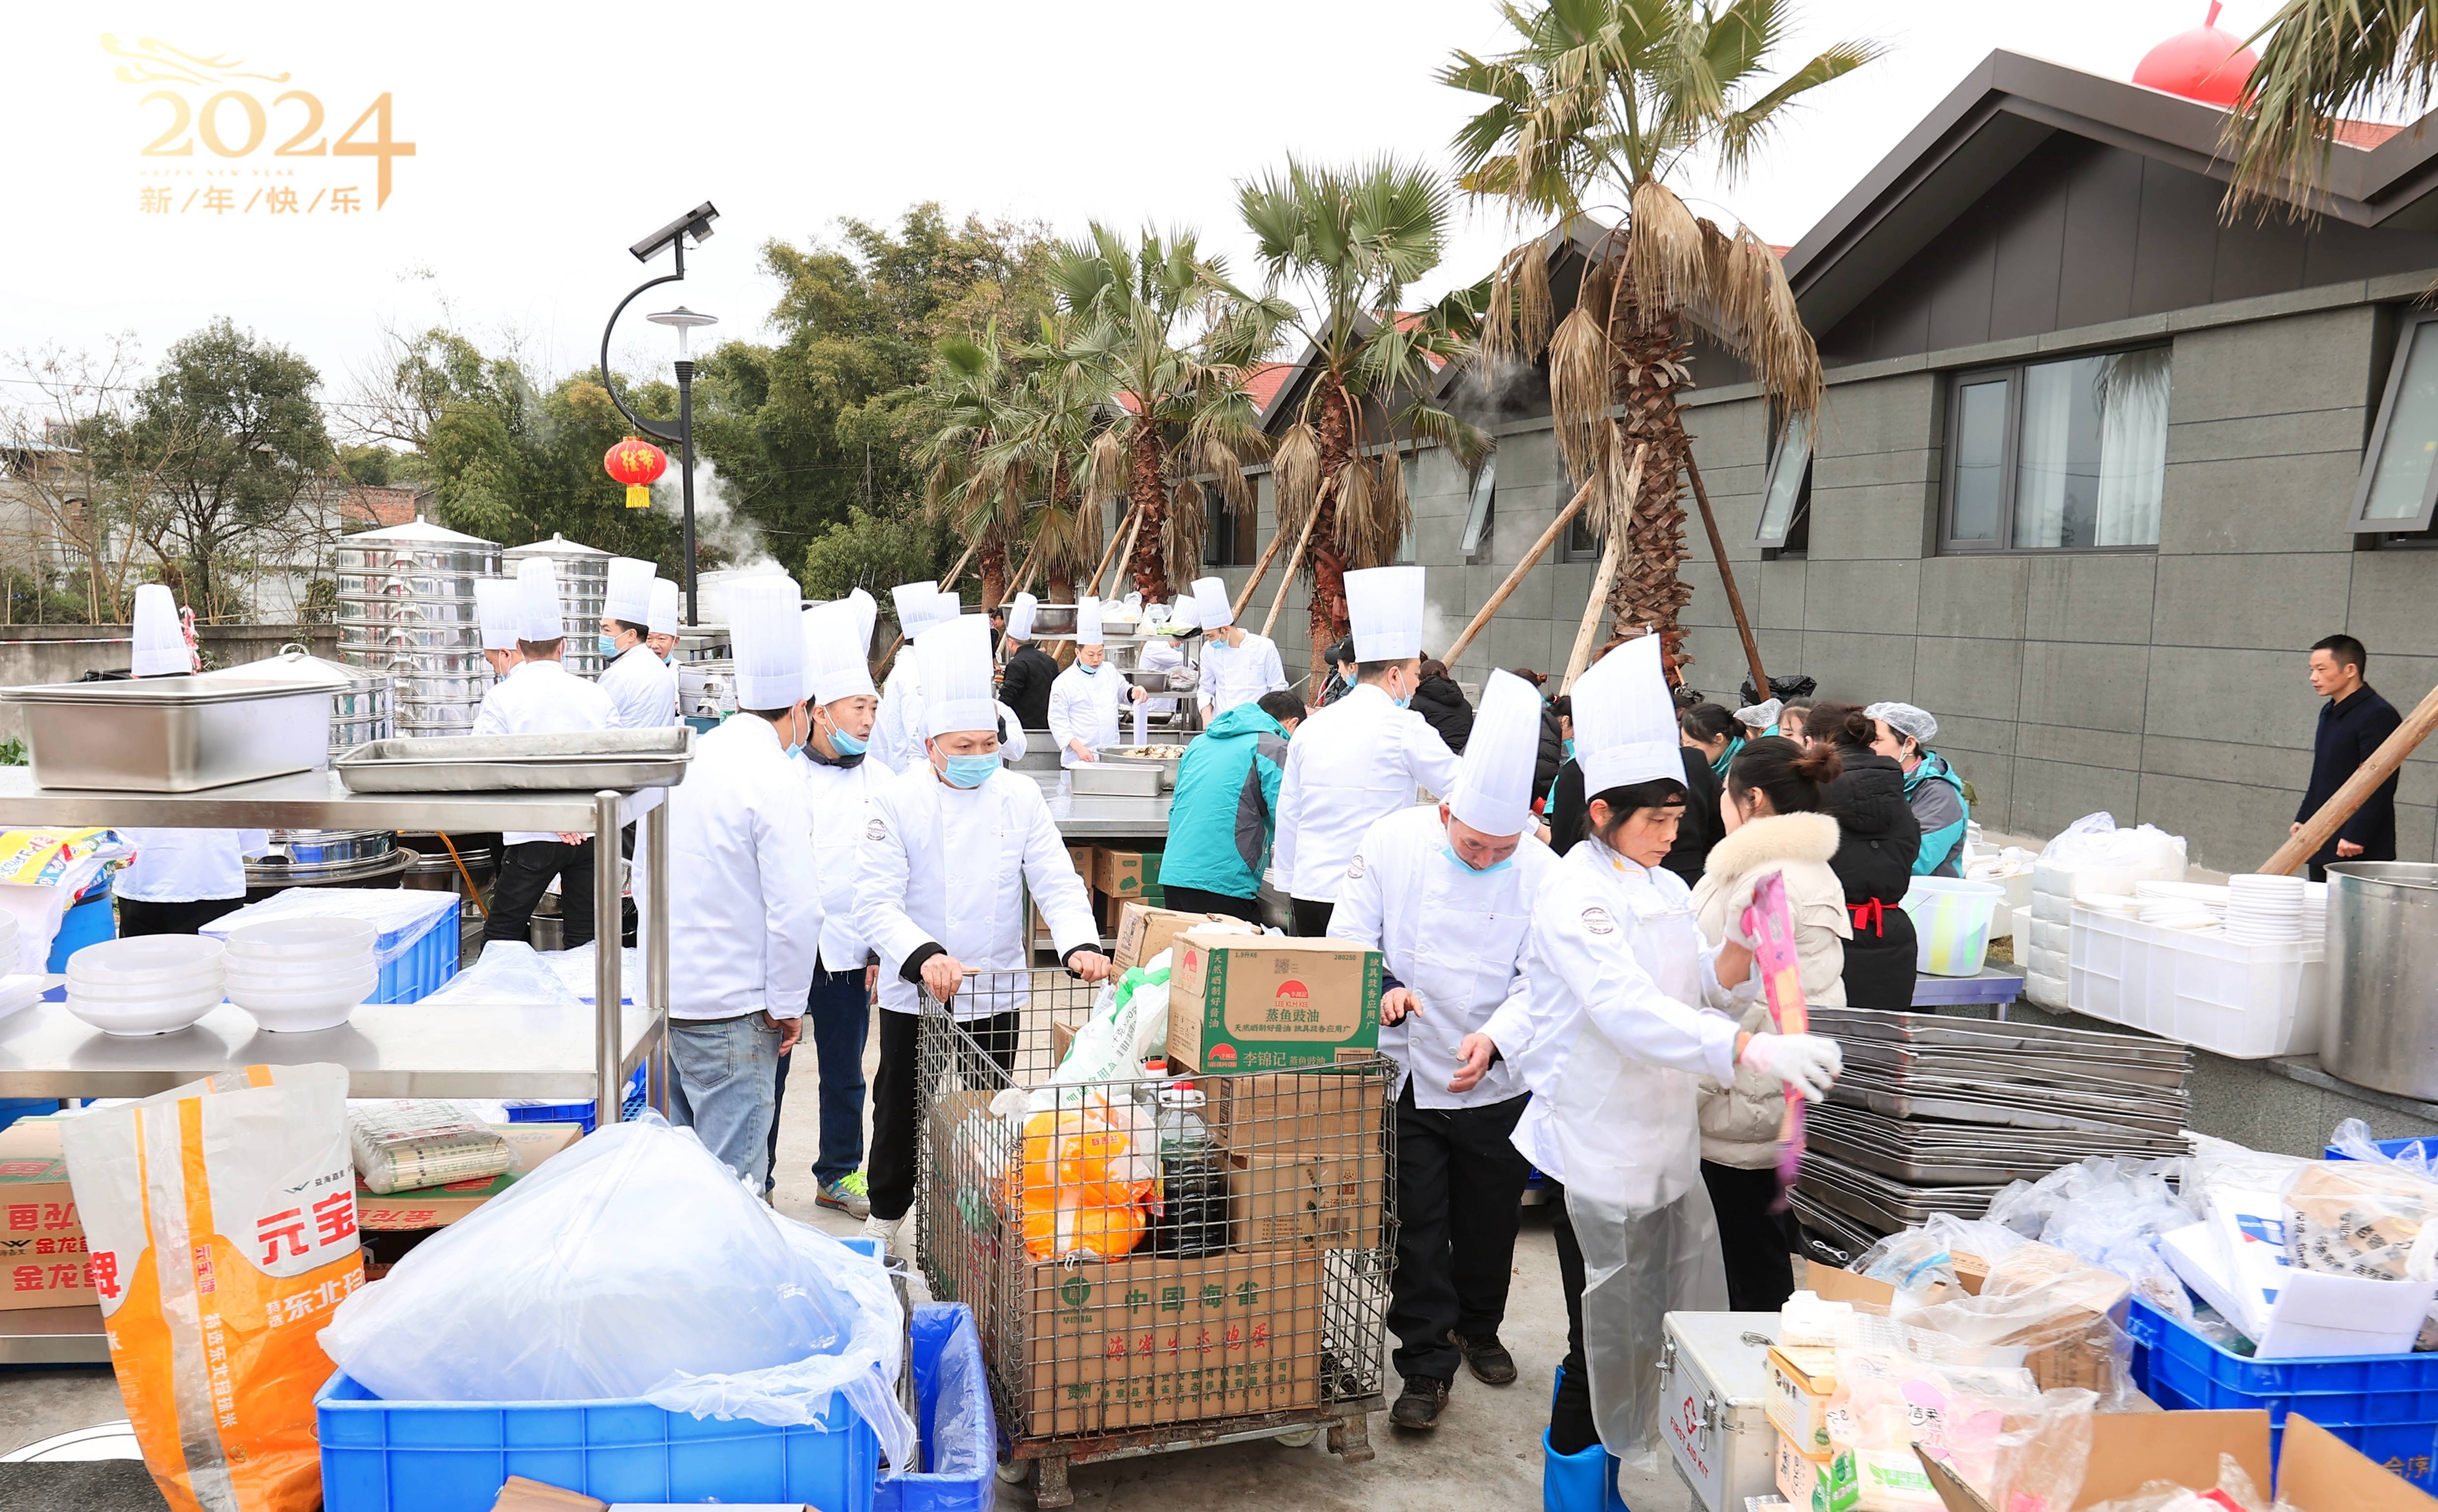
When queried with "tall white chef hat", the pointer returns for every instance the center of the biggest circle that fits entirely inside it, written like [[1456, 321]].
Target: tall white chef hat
[[930, 609], [766, 633], [835, 640], [537, 613], [160, 647], [1625, 723], [1019, 616], [867, 614], [495, 606], [664, 607], [1493, 785], [1210, 598], [1088, 621], [629, 593], [1185, 615], [909, 599], [954, 661], [1386, 606]]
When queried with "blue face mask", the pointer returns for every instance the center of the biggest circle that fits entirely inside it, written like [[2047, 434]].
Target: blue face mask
[[846, 745], [971, 771], [1454, 860], [670, 660], [608, 645]]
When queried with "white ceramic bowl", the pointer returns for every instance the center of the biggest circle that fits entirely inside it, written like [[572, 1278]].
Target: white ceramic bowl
[[303, 940], [148, 960], [135, 1018], [291, 1011]]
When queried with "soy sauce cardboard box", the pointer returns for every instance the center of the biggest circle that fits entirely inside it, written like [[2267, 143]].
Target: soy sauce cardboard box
[[1268, 1003], [44, 1262]]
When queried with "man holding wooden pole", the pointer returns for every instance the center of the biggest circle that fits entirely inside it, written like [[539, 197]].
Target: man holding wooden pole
[[2354, 723]]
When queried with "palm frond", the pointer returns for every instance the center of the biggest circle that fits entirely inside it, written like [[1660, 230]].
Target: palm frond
[[2323, 62], [1358, 496], [1666, 261], [1295, 469], [1105, 476], [1743, 132]]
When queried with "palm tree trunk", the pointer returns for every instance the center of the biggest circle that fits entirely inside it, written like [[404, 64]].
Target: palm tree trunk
[[1327, 554], [1648, 593], [1149, 489], [994, 565]]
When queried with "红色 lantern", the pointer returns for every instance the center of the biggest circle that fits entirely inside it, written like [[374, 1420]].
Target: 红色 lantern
[[637, 464]]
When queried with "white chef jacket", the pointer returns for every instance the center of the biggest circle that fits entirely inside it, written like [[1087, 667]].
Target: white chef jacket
[[642, 689], [1614, 1062], [1159, 656], [745, 905], [1348, 766], [839, 798], [1084, 705], [897, 733], [542, 698], [187, 865], [1451, 935], [949, 866], [1233, 674]]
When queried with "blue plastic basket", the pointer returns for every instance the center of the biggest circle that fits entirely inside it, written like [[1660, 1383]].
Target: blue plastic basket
[[577, 1110], [420, 970], [954, 1392], [2409, 1450], [2393, 1149]]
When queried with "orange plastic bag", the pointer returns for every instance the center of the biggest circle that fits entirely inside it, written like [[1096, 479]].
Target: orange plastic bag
[[221, 1218], [1073, 1197]]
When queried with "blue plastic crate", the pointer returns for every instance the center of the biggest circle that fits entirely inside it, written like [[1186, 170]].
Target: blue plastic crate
[[420, 970], [949, 1379], [2409, 1450], [2392, 1150], [2335, 1391], [577, 1110]]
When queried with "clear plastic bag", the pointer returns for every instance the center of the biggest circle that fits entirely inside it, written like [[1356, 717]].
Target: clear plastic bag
[[509, 973], [1890, 1398], [405, 1143], [2108, 1211], [2053, 1304], [2234, 1489], [403, 915], [2377, 1223]]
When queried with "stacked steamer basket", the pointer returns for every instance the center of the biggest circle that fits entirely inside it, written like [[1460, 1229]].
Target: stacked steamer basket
[[583, 588], [406, 608]]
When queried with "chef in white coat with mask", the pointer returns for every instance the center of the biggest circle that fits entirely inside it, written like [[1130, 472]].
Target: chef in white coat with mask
[[1363, 756], [1612, 1041], [495, 612], [1086, 699], [663, 625], [180, 880], [642, 688], [1238, 666], [951, 849], [1444, 893]]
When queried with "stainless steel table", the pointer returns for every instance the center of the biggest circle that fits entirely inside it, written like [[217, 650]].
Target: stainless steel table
[[1095, 817]]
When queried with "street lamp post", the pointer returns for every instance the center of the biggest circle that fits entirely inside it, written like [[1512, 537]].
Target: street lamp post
[[693, 225]]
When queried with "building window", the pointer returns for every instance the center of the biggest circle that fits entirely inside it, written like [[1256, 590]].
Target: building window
[[2399, 485], [1226, 537], [1479, 518], [2059, 456], [1582, 542], [1786, 498]]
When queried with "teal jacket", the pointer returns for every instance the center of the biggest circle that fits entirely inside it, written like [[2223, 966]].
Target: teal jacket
[[1937, 794], [1227, 804]]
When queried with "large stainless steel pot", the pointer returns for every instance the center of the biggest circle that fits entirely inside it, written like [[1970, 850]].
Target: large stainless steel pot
[[406, 608], [583, 573], [302, 850], [2383, 942]]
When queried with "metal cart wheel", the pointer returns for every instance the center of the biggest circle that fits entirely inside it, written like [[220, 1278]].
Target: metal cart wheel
[[1015, 1472], [1300, 1438]]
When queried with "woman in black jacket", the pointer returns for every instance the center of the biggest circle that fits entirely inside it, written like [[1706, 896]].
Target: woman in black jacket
[[1438, 698], [1878, 838]]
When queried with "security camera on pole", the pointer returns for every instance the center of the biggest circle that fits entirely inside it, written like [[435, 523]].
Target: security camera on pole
[[694, 226]]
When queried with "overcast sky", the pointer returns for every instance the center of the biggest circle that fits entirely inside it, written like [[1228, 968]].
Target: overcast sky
[[547, 137]]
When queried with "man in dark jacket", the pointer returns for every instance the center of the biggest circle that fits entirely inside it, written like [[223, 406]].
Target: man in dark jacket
[[2354, 722], [1024, 682], [1437, 699]]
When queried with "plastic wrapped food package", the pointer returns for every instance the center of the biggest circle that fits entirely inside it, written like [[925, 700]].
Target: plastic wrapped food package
[[1989, 1423], [2056, 1306], [2110, 1212], [2379, 1223], [1129, 1017], [2235, 1492], [421, 1142], [1083, 1181]]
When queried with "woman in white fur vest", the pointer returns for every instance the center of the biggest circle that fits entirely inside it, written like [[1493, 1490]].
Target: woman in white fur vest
[[1774, 802]]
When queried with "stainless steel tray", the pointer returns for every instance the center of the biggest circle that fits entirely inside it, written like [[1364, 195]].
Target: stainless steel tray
[[2015, 1113], [2054, 1070], [616, 760], [1113, 779], [2060, 1090], [1994, 1035], [1831, 1235], [1165, 765], [172, 734]]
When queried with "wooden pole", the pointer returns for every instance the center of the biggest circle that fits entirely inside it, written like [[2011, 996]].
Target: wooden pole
[[1115, 537], [1134, 528], [1260, 569], [1311, 518], [1612, 557], [2305, 842], [1727, 578], [1515, 578]]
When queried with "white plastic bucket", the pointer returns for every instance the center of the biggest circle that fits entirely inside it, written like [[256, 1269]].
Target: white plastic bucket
[[1950, 922]]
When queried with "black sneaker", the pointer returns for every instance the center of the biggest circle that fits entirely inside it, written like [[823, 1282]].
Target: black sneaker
[[1489, 1360], [1421, 1404]]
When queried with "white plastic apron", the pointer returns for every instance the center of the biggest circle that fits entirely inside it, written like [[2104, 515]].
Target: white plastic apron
[[1631, 1137]]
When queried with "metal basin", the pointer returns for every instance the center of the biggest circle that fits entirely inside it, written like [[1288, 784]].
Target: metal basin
[[2383, 945], [172, 734]]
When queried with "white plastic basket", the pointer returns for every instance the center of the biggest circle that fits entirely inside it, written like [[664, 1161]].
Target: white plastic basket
[[2224, 996]]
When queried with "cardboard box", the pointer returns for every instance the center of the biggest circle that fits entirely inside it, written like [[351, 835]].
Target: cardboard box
[[1811, 1485], [1144, 931], [1801, 1379], [1267, 1003], [1118, 873], [2315, 1470], [1144, 1341], [437, 1206], [44, 1262], [1320, 1114], [1064, 1027], [1291, 1200]]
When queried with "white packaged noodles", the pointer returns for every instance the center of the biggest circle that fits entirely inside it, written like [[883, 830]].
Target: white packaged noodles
[[422, 1142]]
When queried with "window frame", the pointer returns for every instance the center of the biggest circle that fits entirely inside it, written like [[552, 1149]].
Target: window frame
[[1218, 525], [1481, 515], [1762, 536], [1951, 428], [2407, 331]]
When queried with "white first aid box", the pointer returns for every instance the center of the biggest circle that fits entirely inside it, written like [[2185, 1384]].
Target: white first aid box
[[1714, 1408]]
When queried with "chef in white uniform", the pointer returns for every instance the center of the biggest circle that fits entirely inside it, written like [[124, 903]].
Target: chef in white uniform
[[663, 625], [952, 846], [180, 880], [495, 611], [1158, 654], [1237, 665], [1363, 756], [540, 696], [745, 903], [840, 776], [1086, 699], [898, 737], [1612, 1043], [641, 686], [1445, 893]]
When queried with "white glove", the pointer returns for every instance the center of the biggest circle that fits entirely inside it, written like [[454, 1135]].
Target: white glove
[[1806, 1062]]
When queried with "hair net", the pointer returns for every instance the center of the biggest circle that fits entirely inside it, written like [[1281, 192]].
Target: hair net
[[1906, 720]]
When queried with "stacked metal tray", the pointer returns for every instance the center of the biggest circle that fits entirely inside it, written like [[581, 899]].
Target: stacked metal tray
[[1937, 1113]]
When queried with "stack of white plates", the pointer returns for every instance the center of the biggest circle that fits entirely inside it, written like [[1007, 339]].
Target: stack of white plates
[[2265, 909], [2315, 911], [2178, 913], [152, 984], [2115, 903], [298, 975]]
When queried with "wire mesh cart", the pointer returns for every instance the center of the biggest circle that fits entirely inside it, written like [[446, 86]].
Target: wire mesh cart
[[1154, 1262]]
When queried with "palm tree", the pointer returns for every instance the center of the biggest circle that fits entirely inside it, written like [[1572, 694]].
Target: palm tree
[[971, 403], [1599, 103], [1348, 243], [1050, 423], [2324, 62]]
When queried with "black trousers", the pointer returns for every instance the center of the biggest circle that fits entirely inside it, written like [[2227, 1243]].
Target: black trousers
[[1572, 1429], [525, 871], [1311, 919], [1195, 900], [1757, 1244], [136, 917], [1459, 1183], [889, 1169]]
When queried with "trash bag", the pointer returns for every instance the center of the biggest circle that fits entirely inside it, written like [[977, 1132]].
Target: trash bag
[[1785, 688]]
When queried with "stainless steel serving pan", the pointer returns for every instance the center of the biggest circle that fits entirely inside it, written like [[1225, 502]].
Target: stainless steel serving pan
[[616, 760], [1991, 1034], [1114, 779], [172, 734], [1165, 765]]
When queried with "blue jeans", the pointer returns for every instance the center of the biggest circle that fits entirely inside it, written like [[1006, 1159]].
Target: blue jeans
[[722, 1088], [838, 1016]]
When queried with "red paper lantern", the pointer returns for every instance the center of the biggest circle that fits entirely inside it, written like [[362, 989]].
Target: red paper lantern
[[637, 464]]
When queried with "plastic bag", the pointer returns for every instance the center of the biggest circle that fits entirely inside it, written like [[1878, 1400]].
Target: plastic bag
[[575, 970], [222, 1222], [2055, 1305], [2110, 1211], [1083, 1183], [415, 1142], [1889, 1398], [509, 973], [2235, 1490], [403, 915], [2373, 1222], [1128, 1018], [632, 1265]]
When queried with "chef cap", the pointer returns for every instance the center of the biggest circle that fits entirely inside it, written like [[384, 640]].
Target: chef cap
[[495, 606], [161, 648], [835, 642], [1761, 716], [1185, 615], [1019, 616], [908, 599], [664, 607], [539, 616], [1385, 604], [765, 634], [867, 614], [1493, 784], [629, 596], [1210, 598], [1088, 621], [954, 664], [932, 609], [1906, 720], [1625, 722]]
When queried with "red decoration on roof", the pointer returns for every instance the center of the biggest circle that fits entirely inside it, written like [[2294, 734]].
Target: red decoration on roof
[[2204, 63]]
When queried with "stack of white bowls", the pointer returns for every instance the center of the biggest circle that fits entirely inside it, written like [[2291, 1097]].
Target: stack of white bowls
[[2265, 909], [152, 984], [299, 975]]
